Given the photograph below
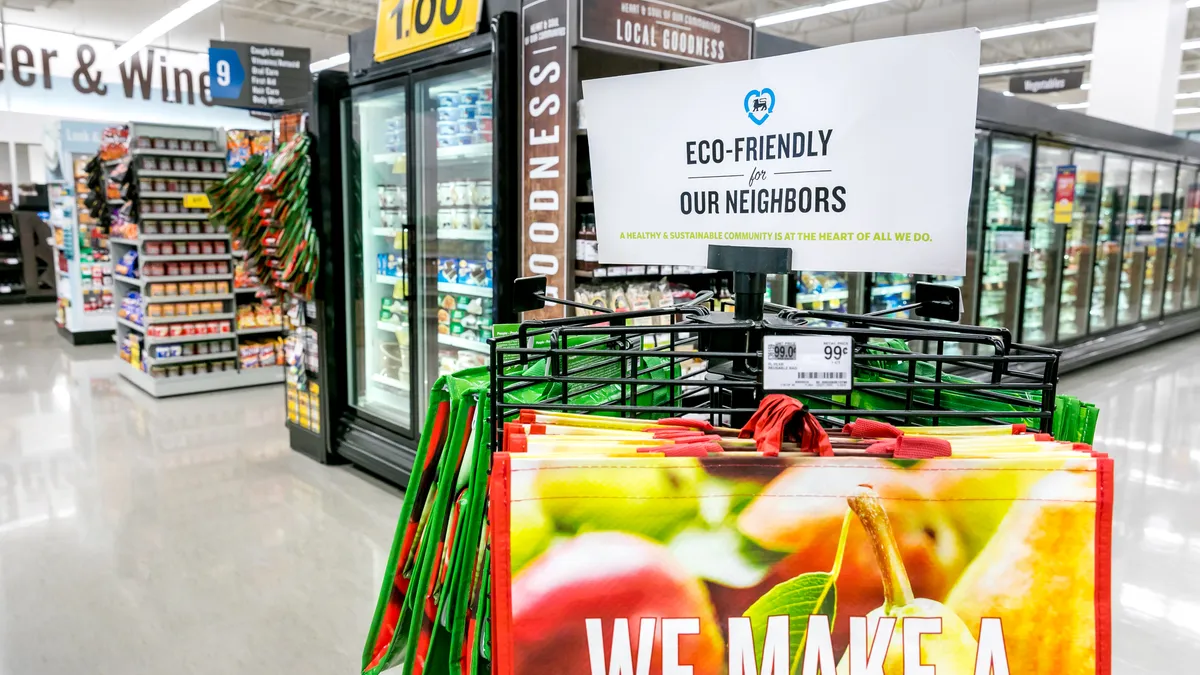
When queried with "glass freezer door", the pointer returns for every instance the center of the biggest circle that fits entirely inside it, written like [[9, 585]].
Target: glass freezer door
[[1191, 292], [454, 221], [1114, 194], [1162, 213], [1079, 250], [1139, 234], [377, 236], [1045, 256], [829, 291], [1178, 253], [1004, 233]]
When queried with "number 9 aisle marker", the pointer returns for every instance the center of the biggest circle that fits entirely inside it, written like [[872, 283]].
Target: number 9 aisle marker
[[228, 75], [407, 26]]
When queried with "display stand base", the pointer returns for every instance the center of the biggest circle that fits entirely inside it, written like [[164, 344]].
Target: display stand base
[[309, 443], [196, 384], [89, 337]]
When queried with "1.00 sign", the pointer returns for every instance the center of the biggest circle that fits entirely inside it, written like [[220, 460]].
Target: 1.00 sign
[[407, 26]]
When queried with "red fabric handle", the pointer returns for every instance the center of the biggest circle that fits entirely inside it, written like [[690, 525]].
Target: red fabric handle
[[701, 425], [862, 428], [782, 418], [911, 447]]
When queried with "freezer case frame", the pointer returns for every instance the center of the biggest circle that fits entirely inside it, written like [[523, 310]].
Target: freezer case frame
[[366, 439]]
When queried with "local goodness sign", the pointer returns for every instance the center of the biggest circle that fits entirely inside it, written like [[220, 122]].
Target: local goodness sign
[[857, 157]]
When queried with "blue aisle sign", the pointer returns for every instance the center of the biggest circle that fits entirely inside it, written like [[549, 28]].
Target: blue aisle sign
[[258, 76]]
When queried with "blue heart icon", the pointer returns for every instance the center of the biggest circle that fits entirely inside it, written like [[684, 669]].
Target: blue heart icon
[[759, 104]]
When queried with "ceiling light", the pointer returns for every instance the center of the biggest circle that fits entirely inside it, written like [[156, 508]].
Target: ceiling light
[[1182, 97], [1085, 86], [339, 60], [1191, 44], [155, 30], [1187, 111], [1072, 106], [1190, 76], [1007, 93], [1024, 28], [809, 12], [1032, 64], [1193, 3]]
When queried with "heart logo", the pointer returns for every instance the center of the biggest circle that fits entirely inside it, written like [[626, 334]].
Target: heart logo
[[759, 104]]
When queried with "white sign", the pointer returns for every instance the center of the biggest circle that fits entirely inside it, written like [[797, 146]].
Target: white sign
[[857, 157], [807, 362]]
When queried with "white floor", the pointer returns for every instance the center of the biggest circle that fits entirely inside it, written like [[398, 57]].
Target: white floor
[[183, 536]]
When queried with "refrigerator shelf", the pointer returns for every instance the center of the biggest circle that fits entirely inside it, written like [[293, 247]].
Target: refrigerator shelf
[[891, 290], [841, 294], [462, 343], [388, 157], [386, 231], [472, 152], [466, 235], [390, 326], [464, 289], [390, 382], [387, 279]]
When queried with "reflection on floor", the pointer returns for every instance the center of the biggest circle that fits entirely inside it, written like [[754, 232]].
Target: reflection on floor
[[170, 536], [182, 536], [1149, 410]]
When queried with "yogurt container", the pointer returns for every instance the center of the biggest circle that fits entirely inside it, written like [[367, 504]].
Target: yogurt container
[[447, 99], [448, 113], [466, 139], [483, 109], [447, 140], [467, 126], [447, 128], [468, 112], [468, 96]]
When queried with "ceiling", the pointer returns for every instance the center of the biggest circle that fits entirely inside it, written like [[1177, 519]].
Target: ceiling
[[908, 17], [342, 17]]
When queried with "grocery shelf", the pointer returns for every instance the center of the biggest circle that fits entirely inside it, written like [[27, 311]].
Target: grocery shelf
[[470, 235], [385, 231], [194, 384], [153, 299], [154, 173], [248, 290], [386, 279], [128, 280], [390, 326], [187, 277], [463, 343], [162, 152], [170, 360], [151, 320], [172, 216], [464, 289], [214, 236], [129, 324], [259, 330], [199, 337], [123, 241], [153, 194], [187, 257]]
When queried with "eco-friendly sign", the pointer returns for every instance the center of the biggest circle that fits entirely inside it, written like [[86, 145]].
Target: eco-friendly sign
[[258, 76], [662, 29], [407, 26], [857, 157]]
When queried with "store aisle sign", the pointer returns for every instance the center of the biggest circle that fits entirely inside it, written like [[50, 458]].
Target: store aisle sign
[[662, 29], [1046, 83], [407, 26], [258, 76], [846, 155], [1064, 195], [49, 72]]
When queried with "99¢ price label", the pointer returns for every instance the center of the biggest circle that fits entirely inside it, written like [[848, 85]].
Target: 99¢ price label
[[407, 26], [807, 362]]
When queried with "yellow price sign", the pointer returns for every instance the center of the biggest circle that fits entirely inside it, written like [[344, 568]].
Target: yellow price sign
[[196, 201], [407, 26]]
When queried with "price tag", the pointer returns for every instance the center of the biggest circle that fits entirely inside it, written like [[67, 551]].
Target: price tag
[[196, 201], [807, 362], [407, 26]]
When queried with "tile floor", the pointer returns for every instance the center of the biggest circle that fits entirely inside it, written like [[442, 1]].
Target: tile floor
[[183, 536]]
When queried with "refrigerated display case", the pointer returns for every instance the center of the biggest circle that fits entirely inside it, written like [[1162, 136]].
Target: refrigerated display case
[[429, 225], [1191, 293], [1114, 196], [1138, 234], [889, 291], [1162, 212], [829, 291], [1042, 274], [1181, 227], [1078, 247], [1004, 231]]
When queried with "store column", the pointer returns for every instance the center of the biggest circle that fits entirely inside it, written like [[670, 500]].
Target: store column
[[1135, 62]]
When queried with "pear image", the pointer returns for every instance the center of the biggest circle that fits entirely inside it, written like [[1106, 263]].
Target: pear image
[[1037, 575]]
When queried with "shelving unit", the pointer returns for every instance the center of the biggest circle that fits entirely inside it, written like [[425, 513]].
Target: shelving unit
[[205, 302]]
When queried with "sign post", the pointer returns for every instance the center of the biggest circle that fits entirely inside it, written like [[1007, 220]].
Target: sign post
[[258, 76], [843, 154]]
